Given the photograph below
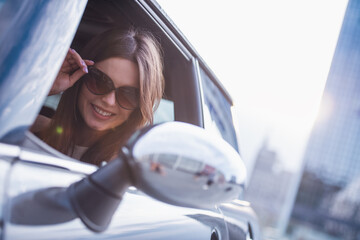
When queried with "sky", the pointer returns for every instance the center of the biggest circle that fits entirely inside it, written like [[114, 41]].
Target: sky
[[273, 57]]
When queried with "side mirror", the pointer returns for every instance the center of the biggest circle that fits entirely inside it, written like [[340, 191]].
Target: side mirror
[[184, 165], [174, 162]]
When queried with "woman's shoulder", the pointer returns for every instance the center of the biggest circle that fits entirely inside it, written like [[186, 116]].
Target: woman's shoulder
[[41, 123]]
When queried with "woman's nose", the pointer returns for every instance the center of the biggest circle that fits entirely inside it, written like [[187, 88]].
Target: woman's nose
[[109, 98]]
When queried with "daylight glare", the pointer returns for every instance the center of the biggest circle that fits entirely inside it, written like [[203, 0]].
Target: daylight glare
[[272, 56]]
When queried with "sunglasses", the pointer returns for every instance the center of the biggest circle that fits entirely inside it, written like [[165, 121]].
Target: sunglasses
[[99, 83]]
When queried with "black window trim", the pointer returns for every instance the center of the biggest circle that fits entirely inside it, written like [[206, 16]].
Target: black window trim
[[181, 40]]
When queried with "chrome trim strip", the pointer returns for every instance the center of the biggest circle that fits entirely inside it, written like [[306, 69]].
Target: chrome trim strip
[[201, 90], [9, 150], [71, 165]]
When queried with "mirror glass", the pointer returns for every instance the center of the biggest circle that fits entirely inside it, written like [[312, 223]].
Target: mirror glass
[[185, 165]]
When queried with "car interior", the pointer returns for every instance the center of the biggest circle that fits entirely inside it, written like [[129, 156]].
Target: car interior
[[181, 100], [181, 87]]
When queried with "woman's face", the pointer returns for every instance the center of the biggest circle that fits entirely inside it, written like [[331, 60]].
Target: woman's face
[[101, 112]]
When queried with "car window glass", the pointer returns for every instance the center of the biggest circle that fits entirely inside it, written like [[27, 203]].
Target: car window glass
[[50, 105], [52, 101], [218, 109], [165, 112]]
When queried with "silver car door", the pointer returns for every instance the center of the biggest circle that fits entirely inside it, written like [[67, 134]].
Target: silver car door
[[30, 194]]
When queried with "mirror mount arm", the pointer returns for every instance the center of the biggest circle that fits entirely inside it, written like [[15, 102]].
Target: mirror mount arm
[[96, 197]]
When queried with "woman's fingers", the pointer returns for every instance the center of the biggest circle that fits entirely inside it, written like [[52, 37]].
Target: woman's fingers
[[67, 68], [76, 76], [76, 67], [89, 62], [72, 66], [79, 73], [68, 55], [72, 69], [71, 61], [80, 62]]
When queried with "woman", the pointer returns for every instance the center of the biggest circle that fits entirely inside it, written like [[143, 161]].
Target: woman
[[107, 99]]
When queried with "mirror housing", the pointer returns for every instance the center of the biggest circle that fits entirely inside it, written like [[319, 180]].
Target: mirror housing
[[95, 198], [185, 165], [174, 162]]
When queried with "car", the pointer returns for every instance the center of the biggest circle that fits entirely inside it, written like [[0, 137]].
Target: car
[[181, 178]]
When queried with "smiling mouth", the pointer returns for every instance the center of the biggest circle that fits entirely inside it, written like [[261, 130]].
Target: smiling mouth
[[101, 111]]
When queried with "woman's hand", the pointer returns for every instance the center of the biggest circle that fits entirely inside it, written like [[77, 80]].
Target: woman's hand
[[72, 69]]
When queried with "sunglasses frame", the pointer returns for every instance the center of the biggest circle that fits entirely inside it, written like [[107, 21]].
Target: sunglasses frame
[[91, 74]]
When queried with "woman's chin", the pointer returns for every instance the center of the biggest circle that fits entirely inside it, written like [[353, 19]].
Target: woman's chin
[[97, 127]]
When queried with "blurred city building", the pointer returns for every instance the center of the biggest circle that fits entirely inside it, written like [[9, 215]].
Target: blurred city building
[[268, 190], [328, 196]]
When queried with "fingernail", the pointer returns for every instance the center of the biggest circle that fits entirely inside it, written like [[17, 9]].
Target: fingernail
[[83, 63], [92, 62], [72, 50], [86, 69]]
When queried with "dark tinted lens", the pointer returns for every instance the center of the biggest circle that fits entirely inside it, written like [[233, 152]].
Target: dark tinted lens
[[97, 82], [128, 97]]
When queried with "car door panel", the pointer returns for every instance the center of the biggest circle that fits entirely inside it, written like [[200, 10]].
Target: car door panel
[[137, 217]]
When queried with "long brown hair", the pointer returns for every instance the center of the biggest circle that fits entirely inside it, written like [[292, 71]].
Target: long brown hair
[[137, 46]]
